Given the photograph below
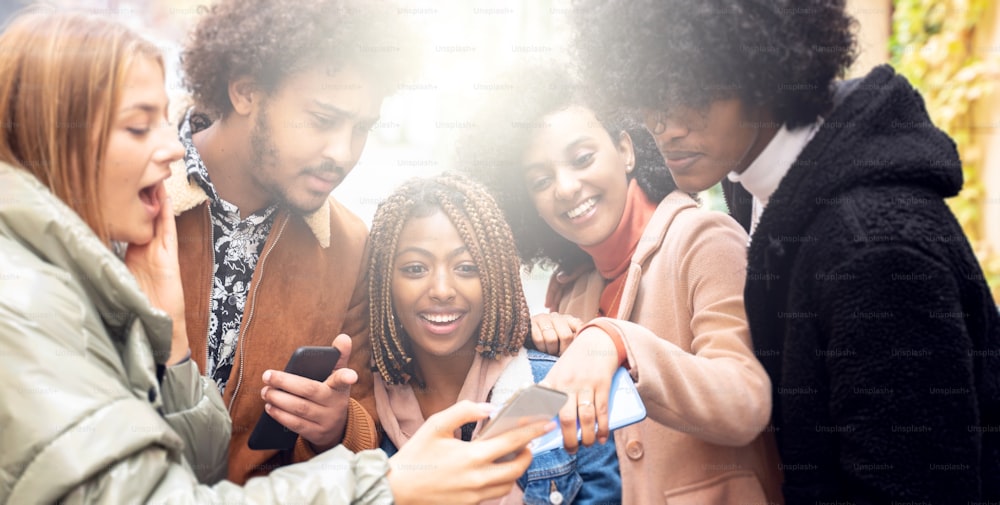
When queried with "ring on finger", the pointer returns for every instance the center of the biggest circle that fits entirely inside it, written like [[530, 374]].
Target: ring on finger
[[585, 403], [546, 327]]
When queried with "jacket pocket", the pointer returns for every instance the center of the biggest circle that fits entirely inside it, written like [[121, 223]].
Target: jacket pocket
[[547, 469], [739, 486]]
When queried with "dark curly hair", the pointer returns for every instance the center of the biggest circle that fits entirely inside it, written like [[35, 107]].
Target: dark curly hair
[[491, 152], [657, 54], [271, 40], [481, 225]]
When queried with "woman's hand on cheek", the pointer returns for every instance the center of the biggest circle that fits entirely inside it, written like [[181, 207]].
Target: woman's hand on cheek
[[584, 372], [553, 332], [157, 271]]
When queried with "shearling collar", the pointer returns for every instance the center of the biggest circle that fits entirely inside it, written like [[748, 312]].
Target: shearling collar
[[186, 195]]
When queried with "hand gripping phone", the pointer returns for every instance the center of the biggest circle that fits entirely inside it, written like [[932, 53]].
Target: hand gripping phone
[[314, 363], [533, 403], [624, 408]]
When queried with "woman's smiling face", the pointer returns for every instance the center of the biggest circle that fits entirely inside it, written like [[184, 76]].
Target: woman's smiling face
[[436, 292], [577, 175]]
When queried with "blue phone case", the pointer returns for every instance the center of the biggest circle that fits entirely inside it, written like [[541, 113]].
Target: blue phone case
[[624, 408]]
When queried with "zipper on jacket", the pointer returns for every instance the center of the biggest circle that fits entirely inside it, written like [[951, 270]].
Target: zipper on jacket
[[253, 305], [211, 281]]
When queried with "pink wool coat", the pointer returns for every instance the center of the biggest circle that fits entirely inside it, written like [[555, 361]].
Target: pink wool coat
[[708, 399]]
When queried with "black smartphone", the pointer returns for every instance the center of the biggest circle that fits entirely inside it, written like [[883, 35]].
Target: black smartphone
[[316, 363]]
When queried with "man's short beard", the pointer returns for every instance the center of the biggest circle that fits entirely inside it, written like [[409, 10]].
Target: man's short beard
[[265, 154]]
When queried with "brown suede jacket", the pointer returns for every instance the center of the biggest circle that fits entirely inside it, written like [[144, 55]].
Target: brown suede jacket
[[309, 286]]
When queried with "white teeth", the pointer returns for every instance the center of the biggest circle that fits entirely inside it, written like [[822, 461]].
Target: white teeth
[[582, 208], [440, 318]]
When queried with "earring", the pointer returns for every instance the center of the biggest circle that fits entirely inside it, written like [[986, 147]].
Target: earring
[[628, 169]]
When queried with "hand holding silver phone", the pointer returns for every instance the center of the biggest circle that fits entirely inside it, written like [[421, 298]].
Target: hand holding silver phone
[[533, 403]]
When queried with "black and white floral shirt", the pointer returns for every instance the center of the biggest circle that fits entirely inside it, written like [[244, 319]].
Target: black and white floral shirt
[[238, 246]]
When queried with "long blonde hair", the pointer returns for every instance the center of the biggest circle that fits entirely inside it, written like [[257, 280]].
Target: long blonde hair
[[61, 76]]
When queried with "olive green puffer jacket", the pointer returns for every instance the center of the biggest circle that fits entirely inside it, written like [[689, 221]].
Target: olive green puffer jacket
[[85, 417]]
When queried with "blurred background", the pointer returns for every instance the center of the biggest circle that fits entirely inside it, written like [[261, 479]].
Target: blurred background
[[949, 49]]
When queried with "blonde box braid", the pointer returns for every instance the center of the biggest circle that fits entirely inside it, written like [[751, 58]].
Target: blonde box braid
[[485, 233]]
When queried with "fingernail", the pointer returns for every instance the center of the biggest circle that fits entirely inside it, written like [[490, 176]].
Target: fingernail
[[603, 440], [550, 426], [267, 407], [267, 375]]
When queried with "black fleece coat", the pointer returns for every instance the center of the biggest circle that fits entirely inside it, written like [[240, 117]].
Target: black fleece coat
[[872, 316]]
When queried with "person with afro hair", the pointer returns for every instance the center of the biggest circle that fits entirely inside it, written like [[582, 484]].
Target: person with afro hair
[[866, 303], [284, 95]]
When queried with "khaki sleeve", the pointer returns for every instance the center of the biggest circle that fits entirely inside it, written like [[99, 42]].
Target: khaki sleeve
[[193, 408], [337, 477]]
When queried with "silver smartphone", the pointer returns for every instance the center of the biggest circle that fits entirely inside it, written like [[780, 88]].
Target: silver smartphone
[[533, 403]]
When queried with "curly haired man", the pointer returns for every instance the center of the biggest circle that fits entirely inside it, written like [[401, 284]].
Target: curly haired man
[[284, 94], [865, 301]]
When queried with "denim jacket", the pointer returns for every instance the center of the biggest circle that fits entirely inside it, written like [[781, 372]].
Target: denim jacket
[[589, 477]]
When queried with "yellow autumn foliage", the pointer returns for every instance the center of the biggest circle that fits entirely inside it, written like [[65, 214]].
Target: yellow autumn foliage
[[932, 45]]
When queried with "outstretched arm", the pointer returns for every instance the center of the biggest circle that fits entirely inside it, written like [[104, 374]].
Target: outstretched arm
[[432, 468]]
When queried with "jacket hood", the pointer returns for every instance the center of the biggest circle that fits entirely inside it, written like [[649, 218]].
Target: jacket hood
[[32, 216], [879, 134]]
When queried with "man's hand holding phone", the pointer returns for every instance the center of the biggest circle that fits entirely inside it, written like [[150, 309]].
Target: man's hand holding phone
[[316, 410]]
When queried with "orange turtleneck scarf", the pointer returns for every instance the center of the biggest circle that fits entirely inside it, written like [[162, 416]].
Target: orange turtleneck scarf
[[613, 255]]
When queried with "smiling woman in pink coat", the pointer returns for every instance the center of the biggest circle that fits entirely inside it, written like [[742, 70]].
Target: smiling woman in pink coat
[[646, 279]]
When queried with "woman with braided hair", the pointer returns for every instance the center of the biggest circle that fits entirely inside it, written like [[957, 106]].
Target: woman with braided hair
[[448, 322]]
